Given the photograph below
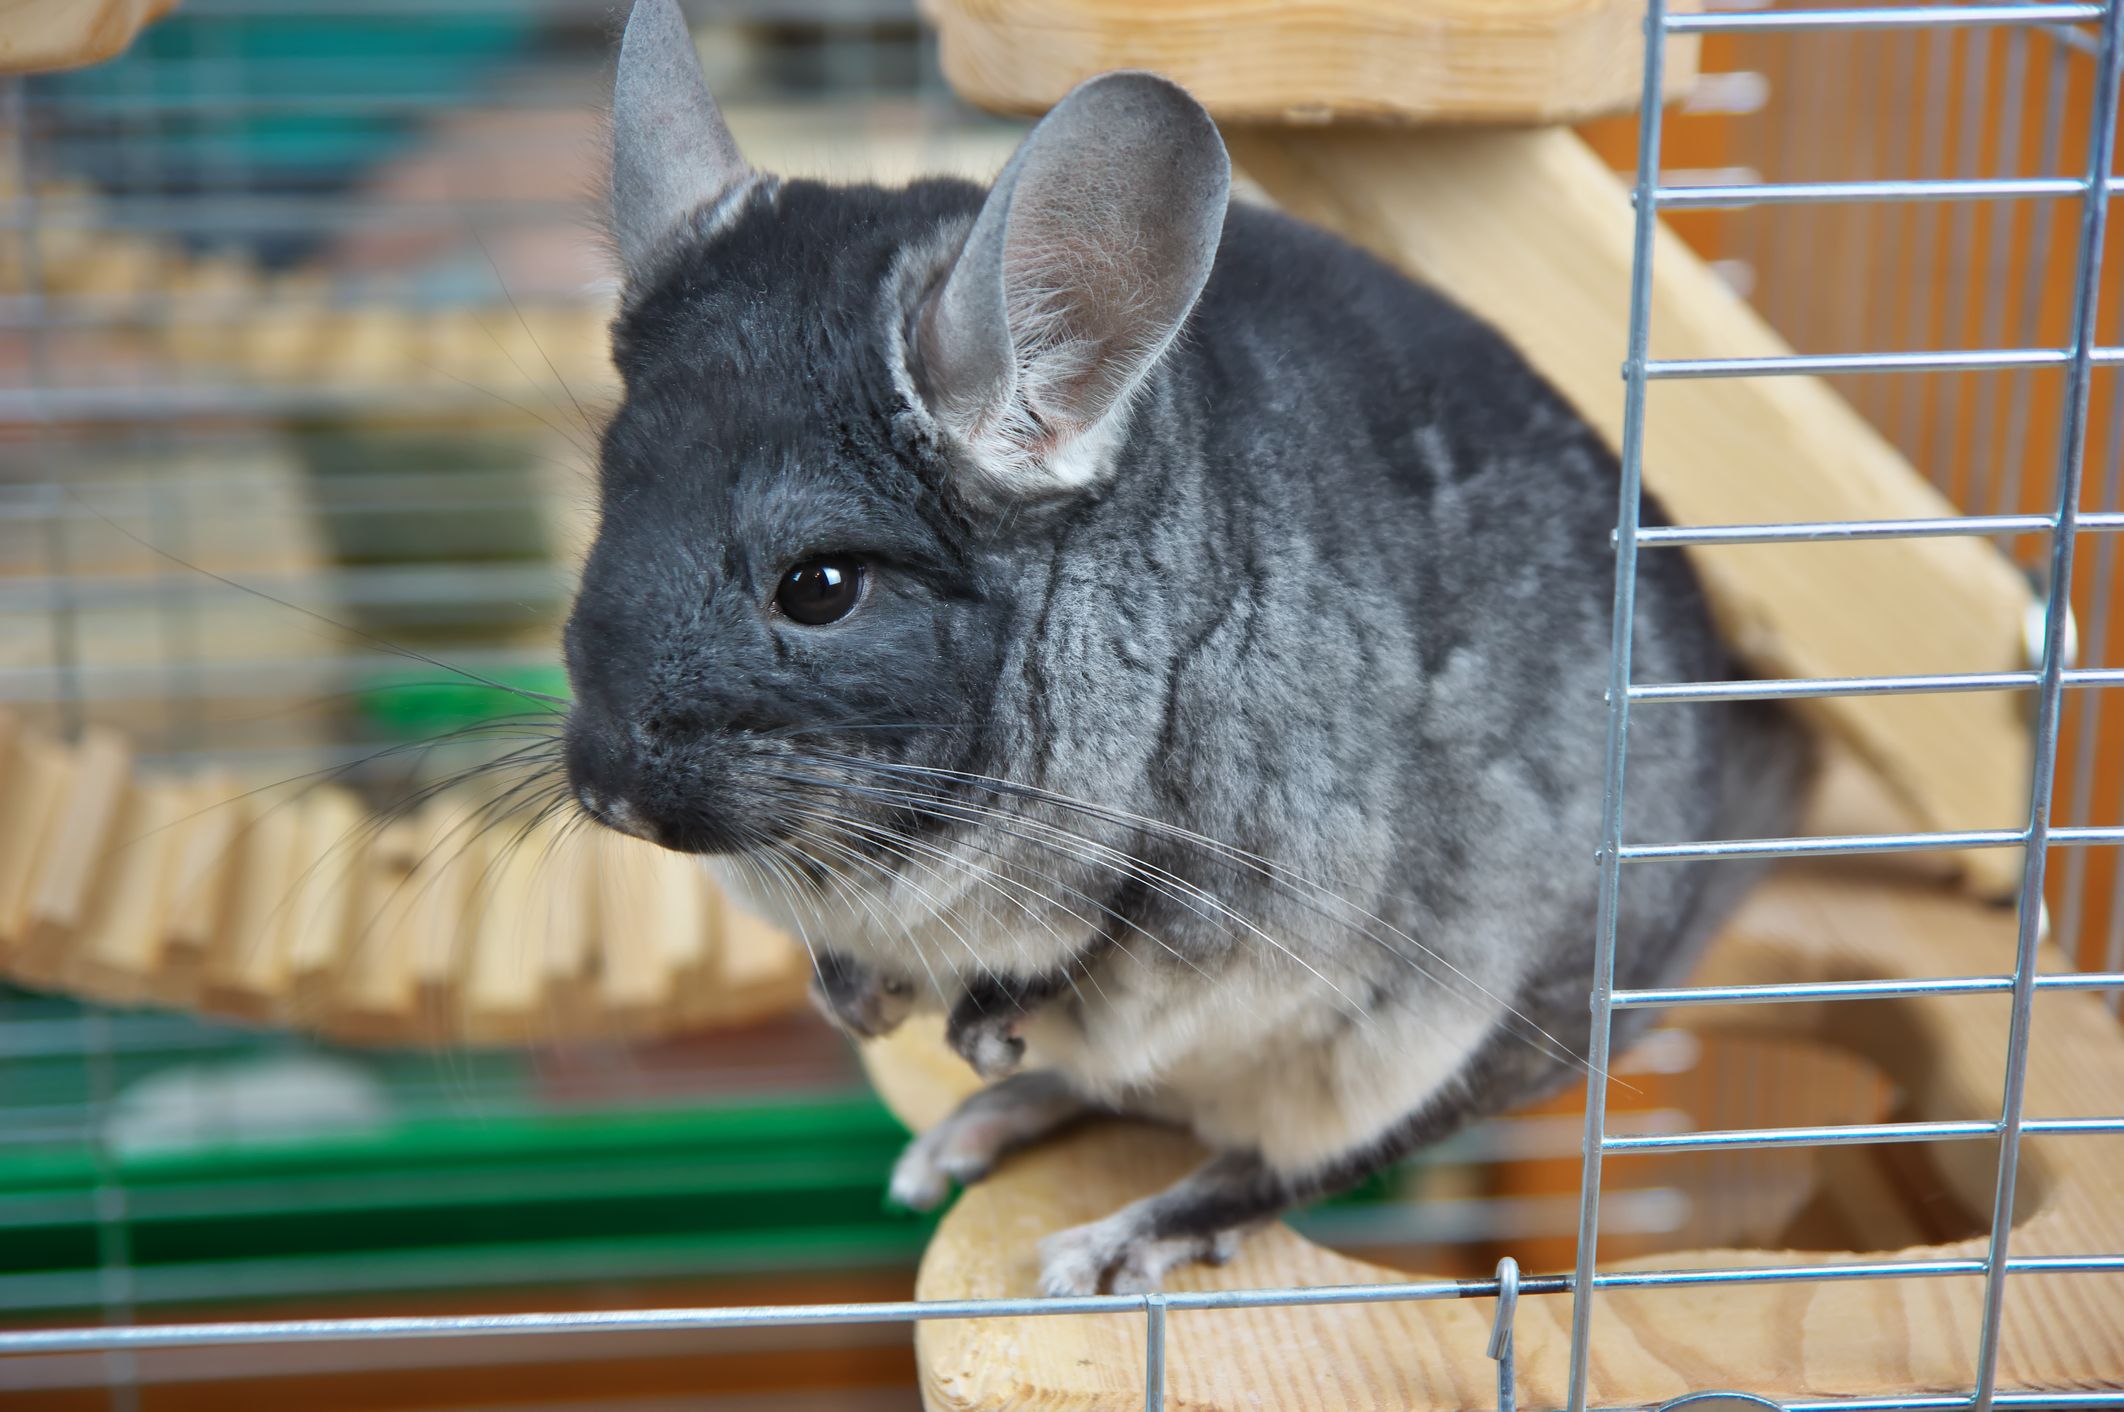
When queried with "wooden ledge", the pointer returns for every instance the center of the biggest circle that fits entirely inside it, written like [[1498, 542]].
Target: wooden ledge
[[1458, 61], [1850, 1338]]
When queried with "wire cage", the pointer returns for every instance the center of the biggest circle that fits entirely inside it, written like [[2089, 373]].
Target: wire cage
[[302, 318]]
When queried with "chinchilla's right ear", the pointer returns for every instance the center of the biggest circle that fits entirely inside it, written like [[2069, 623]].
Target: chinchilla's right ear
[[672, 154], [1086, 259]]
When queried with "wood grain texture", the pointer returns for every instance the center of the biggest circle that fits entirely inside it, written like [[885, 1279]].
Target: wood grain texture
[[1872, 1337], [1317, 60], [40, 35], [1531, 231]]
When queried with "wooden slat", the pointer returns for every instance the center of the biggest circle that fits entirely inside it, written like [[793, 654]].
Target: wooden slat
[[34, 775], [77, 851], [1400, 60], [203, 879], [561, 946], [758, 968], [500, 996], [440, 942], [373, 993], [1531, 231], [119, 948], [631, 919], [332, 850], [247, 961]]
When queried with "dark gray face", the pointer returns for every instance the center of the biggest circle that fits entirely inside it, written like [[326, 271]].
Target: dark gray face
[[780, 574], [855, 423]]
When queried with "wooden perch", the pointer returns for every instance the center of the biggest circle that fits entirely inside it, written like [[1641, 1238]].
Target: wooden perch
[[38, 35], [1815, 1339], [1397, 60]]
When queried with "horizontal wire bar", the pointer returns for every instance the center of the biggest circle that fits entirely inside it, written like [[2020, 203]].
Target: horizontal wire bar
[[1949, 1402], [1937, 360], [2069, 1127], [1883, 17], [1832, 844], [1807, 193], [1844, 1134], [1854, 990], [1786, 689], [149, 402], [1832, 1135], [1823, 846], [103, 1339], [1821, 531]]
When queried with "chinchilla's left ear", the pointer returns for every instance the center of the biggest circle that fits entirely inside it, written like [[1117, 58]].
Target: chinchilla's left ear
[[1086, 259], [672, 154]]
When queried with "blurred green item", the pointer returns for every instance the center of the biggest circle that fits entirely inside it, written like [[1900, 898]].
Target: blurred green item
[[424, 706]]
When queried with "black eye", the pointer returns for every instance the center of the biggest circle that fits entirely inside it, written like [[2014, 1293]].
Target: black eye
[[819, 591]]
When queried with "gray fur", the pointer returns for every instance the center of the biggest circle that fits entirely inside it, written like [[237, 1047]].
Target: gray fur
[[672, 154], [1237, 764]]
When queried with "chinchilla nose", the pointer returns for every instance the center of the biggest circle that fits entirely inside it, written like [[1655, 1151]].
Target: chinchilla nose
[[666, 788]]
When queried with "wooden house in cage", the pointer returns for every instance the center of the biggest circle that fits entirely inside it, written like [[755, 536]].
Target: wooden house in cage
[[1897, 1026]]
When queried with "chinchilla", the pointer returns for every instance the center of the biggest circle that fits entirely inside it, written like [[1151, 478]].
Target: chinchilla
[[1144, 627]]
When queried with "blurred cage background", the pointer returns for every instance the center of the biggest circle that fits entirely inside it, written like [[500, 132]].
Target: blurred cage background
[[307, 300]]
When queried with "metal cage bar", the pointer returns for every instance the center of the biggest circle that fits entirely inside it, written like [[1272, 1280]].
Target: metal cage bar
[[2072, 452]]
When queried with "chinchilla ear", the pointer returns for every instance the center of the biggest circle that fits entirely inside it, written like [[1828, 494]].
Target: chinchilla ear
[[672, 154], [1083, 264]]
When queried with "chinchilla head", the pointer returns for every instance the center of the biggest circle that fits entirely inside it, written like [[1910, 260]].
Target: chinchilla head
[[856, 426]]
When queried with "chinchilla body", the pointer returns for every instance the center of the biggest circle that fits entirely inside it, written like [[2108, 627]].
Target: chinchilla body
[[1218, 729]]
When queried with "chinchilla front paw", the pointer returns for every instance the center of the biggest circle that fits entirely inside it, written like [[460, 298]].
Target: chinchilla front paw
[[858, 1000], [990, 1042]]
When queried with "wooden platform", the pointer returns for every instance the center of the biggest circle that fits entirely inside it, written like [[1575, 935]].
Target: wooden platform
[[1851, 1338], [1318, 61]]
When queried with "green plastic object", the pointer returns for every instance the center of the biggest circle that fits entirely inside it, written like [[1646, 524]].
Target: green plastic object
[[425, 705]]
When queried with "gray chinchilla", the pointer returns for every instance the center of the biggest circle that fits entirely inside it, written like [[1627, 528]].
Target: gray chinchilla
[[1152, 631]]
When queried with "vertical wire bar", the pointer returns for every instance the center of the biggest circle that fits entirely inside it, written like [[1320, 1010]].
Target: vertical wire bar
[[1998, 270], [1649, 116], [1154, 1353], [2011, 452], [1952, 466], [2094, 217], [2089, 708], [1925, 240]]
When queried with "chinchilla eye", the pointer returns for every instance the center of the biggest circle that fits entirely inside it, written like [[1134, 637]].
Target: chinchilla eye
[[819, 591]]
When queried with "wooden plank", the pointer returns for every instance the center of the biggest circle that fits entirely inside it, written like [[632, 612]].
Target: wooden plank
[[440, 943], [1847, 1338], [562, 938], [759, 969], [372, 997], [1395, 60], [332, 854], [41, 35], [204, 876], [118, 951], [247, 960], [633, 917], [34, 775], [1531, 231], [500, 996], [77, 851]]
